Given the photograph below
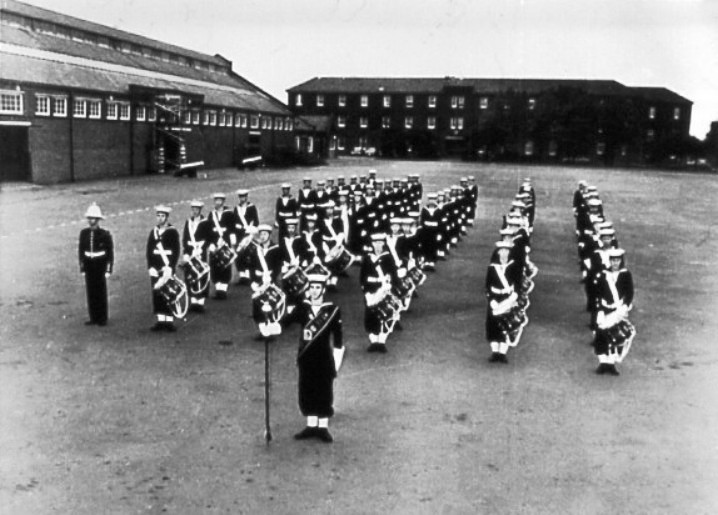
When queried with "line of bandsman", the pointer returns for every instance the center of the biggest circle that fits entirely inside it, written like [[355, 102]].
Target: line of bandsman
[[608, 283], [509, 277]]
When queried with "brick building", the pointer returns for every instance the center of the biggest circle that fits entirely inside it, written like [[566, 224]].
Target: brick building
[[599, 121], [79, 100]]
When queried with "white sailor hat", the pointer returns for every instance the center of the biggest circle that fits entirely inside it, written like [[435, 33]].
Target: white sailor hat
[[379, 181], [343, 193], [329, 203], [413, 176], [405, 180], [291, 221], [431, 196], [518, 203], [591, 187], [607, 232], [527, 180], [321, 182], [378, 236], [395, 220], [504, 244], [163, 209], [523, 194], [330, 179], [219, 194], [514, 220], [94, 211], [582, 183], [455, 187], [396, 179], [616, 253], [369, 191], [594, 202], [286, 185], [413, 215], [353, 177], [196, 203], [340, 178], [471, 177], [463, 179], [307, 179], [242, 192], [605, 224], [372, 172], [311, 217], [317, 277], [264, 227]]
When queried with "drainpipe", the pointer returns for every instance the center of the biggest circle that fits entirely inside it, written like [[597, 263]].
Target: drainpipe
[[70, 113]]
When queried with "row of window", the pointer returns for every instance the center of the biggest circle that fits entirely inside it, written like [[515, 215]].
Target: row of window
[[82, 36], [456, 102], [455, 122], [13, 102]]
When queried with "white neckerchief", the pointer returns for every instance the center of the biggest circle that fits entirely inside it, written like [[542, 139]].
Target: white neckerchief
[[611, 278]]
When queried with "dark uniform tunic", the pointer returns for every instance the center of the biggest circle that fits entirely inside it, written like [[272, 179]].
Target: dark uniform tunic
[[321, 334], [371, 277], [96, 256], [498, 291], [263, 260], [196, 236], [163, 249], [222, 227], [431, 232], [608, 301], [285, 208]]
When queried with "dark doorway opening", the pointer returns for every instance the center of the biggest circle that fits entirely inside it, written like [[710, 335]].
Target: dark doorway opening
[[14, 154]]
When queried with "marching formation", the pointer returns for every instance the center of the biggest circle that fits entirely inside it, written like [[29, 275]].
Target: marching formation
[[608, 283], [509, 277]]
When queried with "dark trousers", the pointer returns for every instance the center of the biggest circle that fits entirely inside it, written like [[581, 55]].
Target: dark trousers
[[96, 287]]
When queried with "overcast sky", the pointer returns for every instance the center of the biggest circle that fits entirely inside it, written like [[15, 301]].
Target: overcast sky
[[278, 44]]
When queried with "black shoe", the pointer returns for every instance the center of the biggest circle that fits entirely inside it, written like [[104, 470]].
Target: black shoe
[[494, 358], [503, 358], [307, 432], [372, 347], [170, 328], [220, 295], [381, 348], [90, 322], [196, 308], [398, 326], [324, 435], [102, 323], [159, 326], [602, 369], [613, 370]]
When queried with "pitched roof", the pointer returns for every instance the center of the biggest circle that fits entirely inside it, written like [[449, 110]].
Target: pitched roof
[[30, 11], [429, 85]]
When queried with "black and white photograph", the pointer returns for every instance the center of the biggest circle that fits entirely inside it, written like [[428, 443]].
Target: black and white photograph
[[358, 257]]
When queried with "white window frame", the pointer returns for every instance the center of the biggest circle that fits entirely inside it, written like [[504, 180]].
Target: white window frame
[[290, 124], [600, 148], [462, 101], [408, 122], [676, 113], [57, 101], [221, 120], [94, 102], [484, 103], [431, 123], [432, 102], [43, 105], [187, 117], [196, 116], [342, 101], [266, 123], [141, 113], [363, 122], [529, 148], [364, 100], [652, 113], [280, 123], [228, 119], [298, 99], [276, 123], [386, 101], [112, 111], [213, 117], [650, 135], [79, 113], [386, 122], [409, 101], [532, 104], [124, 111], [152, 114], [341, 143], [254, 121], [457, 123], [320, 100], [341, 121]]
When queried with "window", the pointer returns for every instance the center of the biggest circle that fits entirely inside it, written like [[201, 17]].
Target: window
[[151, 114], [242, 123], [341, 121], [228, 118], [59, 106], [187, 117], [280, 124], [195, 117], [124, 110], [340, 143], [363, 142], [529, 148], [431, 122], [456, 123], [432, 101], [290, 124], [298, 99], [552, 148], [320, 100], [457, 102], [221, 120], [676, 113], [265, 124], [254, 121], [650, 135], [42, 105], [652, 113], [111, 111], [484, 103], [364, 100], [409, 101], [600, 148], [141, 113], [532, 104], [342, 101], [332, 143], [94, 108], [79, 108], [213, 118], [385, 122], [386, 101], [277, 122], [205, 118], [364, 122], [409, 122]]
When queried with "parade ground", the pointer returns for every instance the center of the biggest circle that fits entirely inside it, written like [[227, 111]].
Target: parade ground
[[121, 420]]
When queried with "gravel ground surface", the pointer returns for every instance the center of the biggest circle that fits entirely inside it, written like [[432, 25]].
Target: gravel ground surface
[[122, 420]]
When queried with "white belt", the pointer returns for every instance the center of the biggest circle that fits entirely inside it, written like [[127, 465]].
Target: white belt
[[431, 224], [95, 254]]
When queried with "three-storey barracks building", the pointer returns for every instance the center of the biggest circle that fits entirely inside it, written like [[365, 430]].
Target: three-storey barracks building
[[599, 121], [80, 100]]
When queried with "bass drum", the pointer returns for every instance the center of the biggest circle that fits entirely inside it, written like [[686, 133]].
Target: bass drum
[[271, 303], [338, 259], [295, 282]]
